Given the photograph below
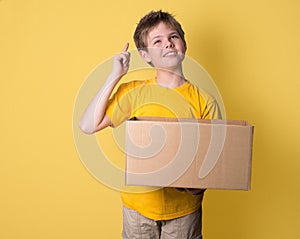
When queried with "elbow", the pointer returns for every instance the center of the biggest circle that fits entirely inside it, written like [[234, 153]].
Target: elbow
[[86, 129]]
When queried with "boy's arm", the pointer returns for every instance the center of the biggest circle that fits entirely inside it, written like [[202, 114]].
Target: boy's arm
[[94, 117]]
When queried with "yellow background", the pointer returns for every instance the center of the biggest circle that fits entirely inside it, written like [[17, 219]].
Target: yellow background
[[47, 48]]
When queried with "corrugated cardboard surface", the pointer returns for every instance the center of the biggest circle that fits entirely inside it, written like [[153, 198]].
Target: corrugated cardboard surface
[[189, 153]]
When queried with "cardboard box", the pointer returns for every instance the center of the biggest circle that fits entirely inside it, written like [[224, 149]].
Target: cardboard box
[[189, 153]]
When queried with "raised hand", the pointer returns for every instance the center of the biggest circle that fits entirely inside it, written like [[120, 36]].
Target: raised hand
[[121, 62]]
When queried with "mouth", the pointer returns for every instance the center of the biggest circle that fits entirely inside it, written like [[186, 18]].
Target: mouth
[[170, 54]]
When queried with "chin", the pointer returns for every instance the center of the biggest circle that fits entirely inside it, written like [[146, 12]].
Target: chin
[[172, 63]]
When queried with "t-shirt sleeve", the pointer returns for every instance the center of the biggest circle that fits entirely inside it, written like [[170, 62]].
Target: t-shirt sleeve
[[119, 105], [214, 110], [211, 109]]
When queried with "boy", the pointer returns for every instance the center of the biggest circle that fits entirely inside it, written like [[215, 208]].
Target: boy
[[166, 212]]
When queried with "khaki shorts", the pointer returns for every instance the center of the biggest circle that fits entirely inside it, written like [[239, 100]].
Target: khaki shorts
[[136, 226]]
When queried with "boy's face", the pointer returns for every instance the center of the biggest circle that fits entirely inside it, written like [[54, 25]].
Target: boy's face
[[165, 48]]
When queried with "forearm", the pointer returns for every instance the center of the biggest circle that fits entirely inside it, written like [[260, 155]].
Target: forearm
[[95, 111]]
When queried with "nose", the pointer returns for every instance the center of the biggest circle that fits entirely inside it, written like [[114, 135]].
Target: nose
[[169, 43]]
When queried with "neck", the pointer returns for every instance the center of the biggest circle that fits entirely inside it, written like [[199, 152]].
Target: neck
[[170, 79]]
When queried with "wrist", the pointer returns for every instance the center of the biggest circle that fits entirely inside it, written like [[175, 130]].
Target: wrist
[[113, 76]]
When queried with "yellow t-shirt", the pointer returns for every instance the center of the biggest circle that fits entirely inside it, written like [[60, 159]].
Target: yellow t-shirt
[[147, 98]]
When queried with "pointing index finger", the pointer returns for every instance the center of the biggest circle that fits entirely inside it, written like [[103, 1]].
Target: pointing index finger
[[126, 47]]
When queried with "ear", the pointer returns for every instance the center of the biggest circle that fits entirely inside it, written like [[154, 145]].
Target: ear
[[144, 54]]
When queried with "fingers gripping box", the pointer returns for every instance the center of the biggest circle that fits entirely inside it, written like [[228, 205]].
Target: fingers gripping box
[[188, 153]]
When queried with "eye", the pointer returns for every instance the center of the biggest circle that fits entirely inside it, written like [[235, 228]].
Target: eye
[[174, 36], [156, 42]]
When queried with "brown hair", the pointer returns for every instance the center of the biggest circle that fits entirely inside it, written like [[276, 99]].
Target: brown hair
[[151, 20]]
